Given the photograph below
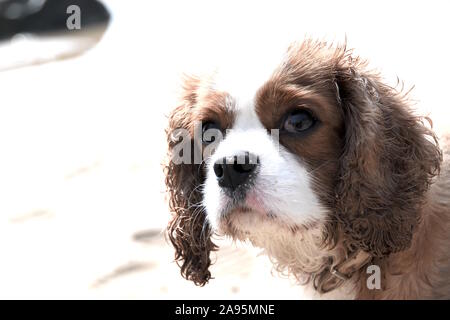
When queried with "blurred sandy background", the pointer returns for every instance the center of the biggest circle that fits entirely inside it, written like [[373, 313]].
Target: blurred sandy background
[[81, 140]]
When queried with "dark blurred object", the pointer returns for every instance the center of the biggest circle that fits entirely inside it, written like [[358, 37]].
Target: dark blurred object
[[45, 16]]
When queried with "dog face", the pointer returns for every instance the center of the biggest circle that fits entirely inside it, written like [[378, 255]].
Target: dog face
[[321, 150], [261, 172]]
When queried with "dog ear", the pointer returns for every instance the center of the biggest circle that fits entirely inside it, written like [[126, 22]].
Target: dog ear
[[188, 230], [387, 165]]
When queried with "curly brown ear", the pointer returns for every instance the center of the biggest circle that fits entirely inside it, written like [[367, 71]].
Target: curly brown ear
[[387, 165], [188, 230]]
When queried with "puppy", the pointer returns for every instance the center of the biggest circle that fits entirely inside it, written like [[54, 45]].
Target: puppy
[[324, 167]]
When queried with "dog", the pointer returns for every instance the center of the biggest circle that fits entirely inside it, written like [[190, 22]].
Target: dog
[[324, 166]]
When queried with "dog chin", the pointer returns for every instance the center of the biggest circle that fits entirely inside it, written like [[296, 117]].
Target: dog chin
[[246, 223]]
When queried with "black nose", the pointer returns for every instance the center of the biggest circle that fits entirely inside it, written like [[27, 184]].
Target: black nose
[[231, 172]]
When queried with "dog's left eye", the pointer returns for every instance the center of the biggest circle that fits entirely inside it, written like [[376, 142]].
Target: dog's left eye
[[298, 121]]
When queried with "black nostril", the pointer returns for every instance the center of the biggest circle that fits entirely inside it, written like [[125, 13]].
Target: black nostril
[[234, 171]]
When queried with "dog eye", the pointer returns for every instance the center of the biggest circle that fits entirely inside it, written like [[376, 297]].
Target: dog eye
[[206, 139], [298, 121]]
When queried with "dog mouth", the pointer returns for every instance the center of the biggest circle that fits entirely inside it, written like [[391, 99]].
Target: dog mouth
[[248, 210], [245, 217], [238, 221], [242, 219], [244, 223], [250, 204]]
